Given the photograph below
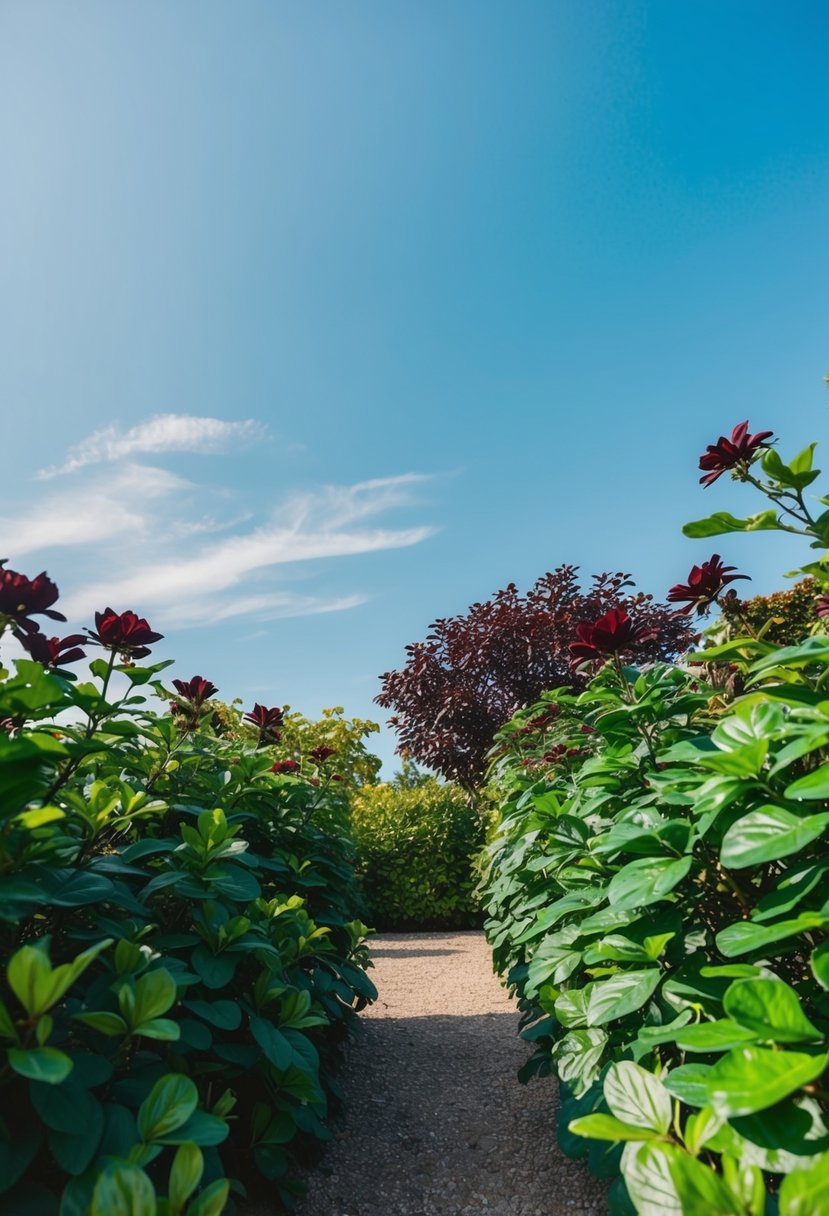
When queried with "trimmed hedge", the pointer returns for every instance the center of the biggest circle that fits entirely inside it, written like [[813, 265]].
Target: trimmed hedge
[[416, 850], [180, 945]]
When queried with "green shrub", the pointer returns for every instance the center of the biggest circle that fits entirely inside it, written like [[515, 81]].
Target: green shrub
[[416, 849], [179, 949], [658, 896]]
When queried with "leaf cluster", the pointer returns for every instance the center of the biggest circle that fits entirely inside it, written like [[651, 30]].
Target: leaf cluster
[[181, 953]]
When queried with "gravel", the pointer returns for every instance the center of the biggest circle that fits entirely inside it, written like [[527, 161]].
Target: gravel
[[436, 1123]]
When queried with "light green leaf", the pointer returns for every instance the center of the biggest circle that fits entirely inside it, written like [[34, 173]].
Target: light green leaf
[[813, 785], [620, 994], [703, 1192], [647, 1175], [643, 882], [212, 1200], [771, 1009], [606, 1127], [637, 1097], [744, 936], [723, 521], [767, 834], [185, 1175], [819, 963], [749, 1079], [169, 1104], [806, 1192], [123, 1190]]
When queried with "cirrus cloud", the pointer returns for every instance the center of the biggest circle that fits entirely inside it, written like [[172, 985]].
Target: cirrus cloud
[[162, 433]]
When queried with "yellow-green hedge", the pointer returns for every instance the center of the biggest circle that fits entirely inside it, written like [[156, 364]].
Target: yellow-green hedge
[[416, 850]]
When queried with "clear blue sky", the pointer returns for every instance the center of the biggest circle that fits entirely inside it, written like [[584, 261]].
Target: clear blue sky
[[465, 288]]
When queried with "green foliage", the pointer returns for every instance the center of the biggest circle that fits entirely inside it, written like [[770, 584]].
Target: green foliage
[[416, 845], [179, 948], [658, 897], [782, 618], [351, 763]]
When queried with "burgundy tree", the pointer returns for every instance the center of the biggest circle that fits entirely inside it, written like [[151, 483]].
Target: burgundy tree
[[474, 671]]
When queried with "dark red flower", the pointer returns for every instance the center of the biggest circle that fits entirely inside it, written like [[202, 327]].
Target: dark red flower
[[704, 584], [285, 766], [22, 598], [321, 753], [52, 652], [267, 720], [822, 605], [736, 452], [196, 691], [126, 632], [610, 634]]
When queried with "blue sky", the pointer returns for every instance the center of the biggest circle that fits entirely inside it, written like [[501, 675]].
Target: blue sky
[[321, 321]]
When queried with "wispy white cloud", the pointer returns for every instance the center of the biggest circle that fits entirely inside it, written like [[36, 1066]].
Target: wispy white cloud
[[187, 554], [163, 433], [97, 511]]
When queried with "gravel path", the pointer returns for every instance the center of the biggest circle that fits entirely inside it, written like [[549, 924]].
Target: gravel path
[[436, 1123]]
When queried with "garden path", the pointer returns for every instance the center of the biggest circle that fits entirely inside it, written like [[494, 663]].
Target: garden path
[[435, 1122]]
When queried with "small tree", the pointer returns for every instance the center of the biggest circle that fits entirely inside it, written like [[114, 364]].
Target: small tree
[[473, 672]]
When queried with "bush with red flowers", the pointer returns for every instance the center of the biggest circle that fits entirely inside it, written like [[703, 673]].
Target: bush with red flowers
[[657, 888], [180, 935]]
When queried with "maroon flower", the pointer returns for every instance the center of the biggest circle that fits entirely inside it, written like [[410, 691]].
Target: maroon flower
[[704, 584], [22, 598], [610, 634], [196, 691], [126, 632], [321, 754], [285, 766], [267, 720], [822, 605], [734, 453], [52, 652]]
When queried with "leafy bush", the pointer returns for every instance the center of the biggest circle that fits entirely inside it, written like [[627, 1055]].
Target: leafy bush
[[177, 935], [415, 849], [473, 672], [658, 895], [786, 617]]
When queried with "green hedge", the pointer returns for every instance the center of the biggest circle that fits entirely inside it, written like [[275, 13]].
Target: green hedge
[[416, 852], [180, 950]]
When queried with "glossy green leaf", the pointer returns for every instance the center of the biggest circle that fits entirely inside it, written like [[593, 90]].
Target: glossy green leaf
[[702, 1191], [212, 1200], [45, 1064], [813, 785], [819, 962], [767, 834], [645, 881], [771, 1009], [185, 1175], [647, 1173], [636, 1096], [606, 1127], [745, 937], [806, 1192], [167, 1107], [123, 1190], [722, 522], [749, 1079]]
